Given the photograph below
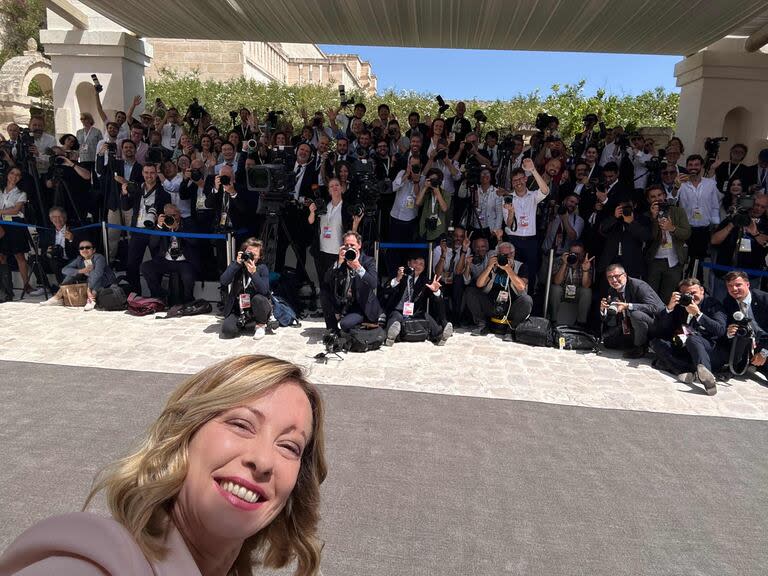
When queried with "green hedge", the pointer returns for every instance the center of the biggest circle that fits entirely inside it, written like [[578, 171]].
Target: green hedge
[[568, 102]]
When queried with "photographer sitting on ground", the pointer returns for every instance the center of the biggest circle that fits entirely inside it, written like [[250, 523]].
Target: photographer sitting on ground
[[688, 330], [171, 254], [88, 267], [572, 282], [750, 324], [412, 291], [348, 293], [628, 312], [248, 300], [500, 291]]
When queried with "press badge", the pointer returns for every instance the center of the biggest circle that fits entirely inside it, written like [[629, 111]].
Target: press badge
[[200, 202], [410, 202], [326, 232], [745, 245], [697, 215], [245, 301], [407, 308], [7, 218], [522, 222], [570, 291], [502, 297], [173, 143]]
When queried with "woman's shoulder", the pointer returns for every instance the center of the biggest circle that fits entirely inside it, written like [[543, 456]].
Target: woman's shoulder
[[76, 543]]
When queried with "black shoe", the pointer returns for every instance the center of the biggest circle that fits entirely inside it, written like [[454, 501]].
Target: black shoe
[[479, 330], [508, 337], [635, 352], [707, 378]]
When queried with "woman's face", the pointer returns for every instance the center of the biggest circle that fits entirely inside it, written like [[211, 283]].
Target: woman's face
[[243, 466], [69, 143], [437, 128], [255, 251], [234, 140], [205, 143], [13, 178], [343, 173], [185, 141], [590, 155], [736, 187]]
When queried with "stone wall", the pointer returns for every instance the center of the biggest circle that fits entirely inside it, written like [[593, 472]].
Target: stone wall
[[212, 60]]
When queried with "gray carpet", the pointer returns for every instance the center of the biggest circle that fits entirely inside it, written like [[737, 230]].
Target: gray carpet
[[440, 485]]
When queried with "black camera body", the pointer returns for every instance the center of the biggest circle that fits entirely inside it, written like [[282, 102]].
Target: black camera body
[[571, 259], [479, 116], [543, 120], [741, 210], [442, 107], [627, 210], [343, 100], [247, 257], [195, 112], [685, 300], [350, 254], [561, 210], [365, 193], [431, 223], [712, 146], [502, 259], [744, 329]]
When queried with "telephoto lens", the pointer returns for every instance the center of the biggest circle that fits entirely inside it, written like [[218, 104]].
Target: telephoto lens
[[502, 259], [350, 254], [169, 220], [246, 257]]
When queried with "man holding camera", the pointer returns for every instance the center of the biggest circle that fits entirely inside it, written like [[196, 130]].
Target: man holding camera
[[145, 202], [348, 294], [457, 127], [500, 291], [688, 330], [59, 245], [403, 221], [565, 228], [193, 189], [624, 232], [445, 258], [572, 282], [628, 312], [171, 254], [701, 201], [408, 304], [435, 202], [667, 250], [746, 310], [734, 169]]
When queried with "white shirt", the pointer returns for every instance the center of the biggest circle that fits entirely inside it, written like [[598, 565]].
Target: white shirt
[[88, 140], [449, 180], [488, 209], [171, 135], [331, 228], [405, 208], [701, 203], [525, 212], [60, 240], [10, 199], [639, 158], [44, 145], [172, 187], [607, 154]]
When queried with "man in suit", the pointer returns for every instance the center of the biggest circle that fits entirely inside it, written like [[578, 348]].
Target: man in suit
[[624, 232], [127, 169], [687, 334], [171, 254], [734, 169], [409, 297], [628, 312], [58, 245], [457, 127], [348, 294], [145, 202], [195, 188], [754, 305], [758, 174]]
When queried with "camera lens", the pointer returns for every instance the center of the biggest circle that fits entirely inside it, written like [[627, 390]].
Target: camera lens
[[685, 300], [572, 258], [350, 254], [408, 271], [170, 220], [225, 180], [626, 210], [502, 259], [561, 210]]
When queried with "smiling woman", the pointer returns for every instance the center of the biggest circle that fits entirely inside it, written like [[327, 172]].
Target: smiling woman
[[226, 479]]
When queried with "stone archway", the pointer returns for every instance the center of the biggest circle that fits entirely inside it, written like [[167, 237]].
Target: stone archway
[[737, 125], [16, 75]]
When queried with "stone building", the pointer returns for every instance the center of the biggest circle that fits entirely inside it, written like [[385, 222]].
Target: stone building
[[261, 61]]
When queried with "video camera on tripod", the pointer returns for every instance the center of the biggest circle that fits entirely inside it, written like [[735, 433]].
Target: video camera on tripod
[[194, 113], [343, 100], [365, 194], [274, 185], [712, 149]]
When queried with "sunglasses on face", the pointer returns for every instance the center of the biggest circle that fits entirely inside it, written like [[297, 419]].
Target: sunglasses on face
[[86, 247]]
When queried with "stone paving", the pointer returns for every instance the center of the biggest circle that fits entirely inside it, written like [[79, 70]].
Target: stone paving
[[466, 365]]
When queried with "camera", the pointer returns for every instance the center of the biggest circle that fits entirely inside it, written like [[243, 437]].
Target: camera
[[196, 174], [561, 210], [407, 271], [741, 210], [317, 122], [744, 329], [321, 208], [663, 210], [150, 218], [441, 154], [247, 257], [621, 141], [590, 118], [435, 182], [169, 220], [685, 300], [155, 155], [502, 259], [431, 223], [441, 105], [627, 210], [612, 315], [111, 147], [350, 254], [272, 117], [96, 84], [225, 180], [712, 146], [343, 97], [477, 259], [59, 160], [273, 183], [571, 259], [133, 188], [364, 194], [480, 117], [174, 251], [508, 200], [252, 145], [543, 120], [244, 318], [233, 114], [195, 112], [416, 168]]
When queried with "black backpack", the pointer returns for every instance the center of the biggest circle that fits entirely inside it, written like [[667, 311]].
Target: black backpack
[[414, 330], [534, 331], [365, 339], [567, 338], [112, 298]]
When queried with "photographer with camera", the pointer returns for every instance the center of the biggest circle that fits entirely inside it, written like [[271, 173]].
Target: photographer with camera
[[485, 212], [746, 339], [171, 130], [88, 138], [458, 128], [403, 223], [628, 312], [588, 136], [42, 143], [144, 202], [758, 173], [701, 201], [741, 239], [624, 231], [172, 254], [500, 291], [397, 143], [107, 148], [71, 185], [666, 251], [348, 293], [438, 158], [58, 246], [572, 282], [195, 188], [565, 228], [669, 183], [224, 198], [125, 170], [446, 255], [407, 305], [248, 298], [688, 330], [726, 172], [435, 204], [171, 179]]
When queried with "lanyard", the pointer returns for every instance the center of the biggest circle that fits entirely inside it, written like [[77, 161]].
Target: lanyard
[[732, 172]]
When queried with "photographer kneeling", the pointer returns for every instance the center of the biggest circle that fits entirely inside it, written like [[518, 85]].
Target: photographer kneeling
[[747, 313], [248, 299], [500, 291], [88, 268], [628, 312], [171, 254], [572, 282], [688, 330], [348, 294], [408, 303]]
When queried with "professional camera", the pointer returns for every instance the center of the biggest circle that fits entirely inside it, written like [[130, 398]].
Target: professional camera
[[508, 200], [251, 145], [571, 259], [477, 259], [350, 254], [741, 210], [744, 329], [233, 114], [195, 112], [473, 170], [685, 300], [174, 251], [150, 218], [561, 210], [502, 259], [225, 180], [244, 318], [111, 148], [155, 155], [480, 117], [591, 117], [611, 315], [621, 141], [169, 221], [663, 210], [441, 154], [133, 188], [431, 223], [272, 117], [59, 160], [407, 271], [321, 208], [247, 257], [441, 105], [365, 192], [543, 120], [26, 138], [96, 84], [712, 146], [627, 210], [343, 97], [274, 185]]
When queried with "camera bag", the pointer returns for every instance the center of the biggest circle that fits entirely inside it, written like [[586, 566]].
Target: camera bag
[[140, 306], [365, 339], [567, 338], [112, 299], [535, 331], [283, 312], [414, 330], [196, 308]]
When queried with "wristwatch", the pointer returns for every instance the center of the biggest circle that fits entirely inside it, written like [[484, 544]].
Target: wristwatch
[[764, 353]]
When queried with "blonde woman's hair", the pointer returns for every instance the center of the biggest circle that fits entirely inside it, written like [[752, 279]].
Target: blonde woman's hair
[[142, 487]]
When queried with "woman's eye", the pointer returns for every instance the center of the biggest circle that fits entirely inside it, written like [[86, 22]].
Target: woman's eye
[[293, 448], [242, 424]]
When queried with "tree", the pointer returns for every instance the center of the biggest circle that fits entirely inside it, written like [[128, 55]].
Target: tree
[[20, 21]]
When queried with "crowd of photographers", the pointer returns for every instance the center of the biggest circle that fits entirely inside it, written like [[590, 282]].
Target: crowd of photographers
[[608, 232]]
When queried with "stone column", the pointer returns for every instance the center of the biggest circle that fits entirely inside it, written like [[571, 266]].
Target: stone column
[[723, 93], [115, 55]]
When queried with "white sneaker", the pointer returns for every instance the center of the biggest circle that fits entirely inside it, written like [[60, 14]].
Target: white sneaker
[[90, 305], [52, 301], [260, 333], [39, 291]]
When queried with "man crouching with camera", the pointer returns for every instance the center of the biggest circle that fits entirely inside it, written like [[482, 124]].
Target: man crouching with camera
[[407, 306], [248, 300], [688, 330], [628, 312], [746, 341], [348, 295]]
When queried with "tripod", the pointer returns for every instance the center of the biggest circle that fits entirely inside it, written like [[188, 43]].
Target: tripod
[[270, 237], [60, 184], [37, 267]]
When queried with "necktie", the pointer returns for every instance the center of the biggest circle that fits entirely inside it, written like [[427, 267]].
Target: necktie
[[173, 131]]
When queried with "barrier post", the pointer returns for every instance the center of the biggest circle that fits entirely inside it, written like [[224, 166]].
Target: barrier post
[[105, 239], [230, 248], [549, 281], [695, 268], [376, 260]]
